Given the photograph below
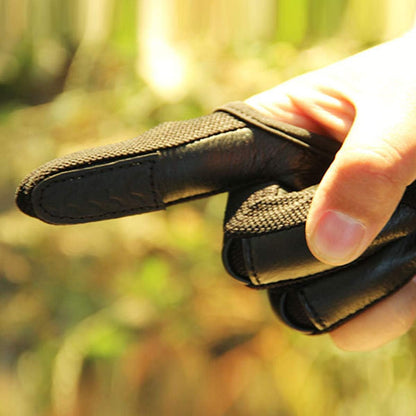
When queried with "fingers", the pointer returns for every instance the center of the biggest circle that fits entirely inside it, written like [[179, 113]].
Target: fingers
[[310, 104], [369, 175], [380, 324], [172, 163], [360, 190]]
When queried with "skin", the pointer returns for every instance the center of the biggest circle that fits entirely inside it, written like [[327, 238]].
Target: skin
[[367, 102]]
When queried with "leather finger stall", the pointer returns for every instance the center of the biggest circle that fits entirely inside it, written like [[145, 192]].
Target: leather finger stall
[[265, 247], [270, 170]]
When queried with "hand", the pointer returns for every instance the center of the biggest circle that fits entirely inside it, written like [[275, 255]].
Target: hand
[[367, 102], [236, 148]]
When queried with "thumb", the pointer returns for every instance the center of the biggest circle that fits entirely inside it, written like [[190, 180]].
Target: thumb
[[361, 189]]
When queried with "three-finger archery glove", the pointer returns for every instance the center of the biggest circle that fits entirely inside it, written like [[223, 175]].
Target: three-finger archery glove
[[270, 170]]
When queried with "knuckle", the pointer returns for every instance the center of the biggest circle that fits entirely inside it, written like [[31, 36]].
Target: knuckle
[[382, 165]]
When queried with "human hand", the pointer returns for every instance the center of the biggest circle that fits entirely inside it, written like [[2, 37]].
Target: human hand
[[234, 148], [367, 102]]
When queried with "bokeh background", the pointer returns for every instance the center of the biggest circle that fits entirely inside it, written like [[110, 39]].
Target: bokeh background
[[136, 316]]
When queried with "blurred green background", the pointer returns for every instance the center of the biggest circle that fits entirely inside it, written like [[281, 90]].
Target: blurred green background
[[136, 316]]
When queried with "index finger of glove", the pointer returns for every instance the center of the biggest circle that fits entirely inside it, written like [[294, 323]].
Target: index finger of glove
[[174, 162]]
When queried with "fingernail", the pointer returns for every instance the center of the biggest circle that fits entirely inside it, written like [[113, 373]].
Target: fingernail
[[337, 237]]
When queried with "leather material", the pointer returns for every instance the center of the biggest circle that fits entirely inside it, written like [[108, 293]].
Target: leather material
[[79, 195], [279, 260], [281, 254], [270, 170], [94, 186], [330, 299]]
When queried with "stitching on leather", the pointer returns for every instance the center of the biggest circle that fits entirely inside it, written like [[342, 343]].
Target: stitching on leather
[[28, 179], [144, 153], [101, 172], [154, 191]]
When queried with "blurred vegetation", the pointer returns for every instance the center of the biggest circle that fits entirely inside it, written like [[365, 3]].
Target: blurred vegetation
[[136, 316]]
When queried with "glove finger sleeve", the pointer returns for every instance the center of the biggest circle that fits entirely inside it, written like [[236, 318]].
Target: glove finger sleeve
[[265, 247], [264, 235], [328, 300], [173, 162]]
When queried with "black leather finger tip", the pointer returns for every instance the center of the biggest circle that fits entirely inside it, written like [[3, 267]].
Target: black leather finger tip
[[289, 308], [286, 304]]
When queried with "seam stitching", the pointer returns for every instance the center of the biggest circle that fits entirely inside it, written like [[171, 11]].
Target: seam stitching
[[110, 159], [104, 170]]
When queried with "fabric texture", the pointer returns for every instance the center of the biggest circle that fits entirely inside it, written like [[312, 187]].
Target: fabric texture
[[271, 171], [270, 209], [166, 135]]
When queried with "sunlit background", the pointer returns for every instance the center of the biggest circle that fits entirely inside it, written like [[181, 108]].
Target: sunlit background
[[136, 316]]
